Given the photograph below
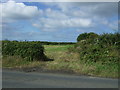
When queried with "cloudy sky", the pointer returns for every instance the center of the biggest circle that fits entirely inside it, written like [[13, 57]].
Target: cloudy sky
[[57, 21]]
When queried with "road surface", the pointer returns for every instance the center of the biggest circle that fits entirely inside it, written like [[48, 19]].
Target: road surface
[[16, 79]]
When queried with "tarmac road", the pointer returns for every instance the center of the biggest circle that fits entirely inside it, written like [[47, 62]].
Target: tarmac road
[[16, 79]]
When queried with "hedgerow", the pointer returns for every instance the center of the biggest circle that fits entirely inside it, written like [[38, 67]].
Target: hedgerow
[[28, 50], [102, 48]]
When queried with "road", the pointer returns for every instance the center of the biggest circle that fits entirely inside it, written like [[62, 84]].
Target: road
[[16, 79]]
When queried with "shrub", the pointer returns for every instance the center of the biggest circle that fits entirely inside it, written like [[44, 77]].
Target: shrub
[[28, 50], [84, 36], [110, 39], [102, 48]]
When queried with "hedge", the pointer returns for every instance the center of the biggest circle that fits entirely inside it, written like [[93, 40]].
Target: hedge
[[104, 48], [29, 50]]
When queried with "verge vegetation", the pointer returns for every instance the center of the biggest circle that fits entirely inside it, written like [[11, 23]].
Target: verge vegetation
[[95, 55]]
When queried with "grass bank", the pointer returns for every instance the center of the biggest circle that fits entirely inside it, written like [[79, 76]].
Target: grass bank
[[63, 61]]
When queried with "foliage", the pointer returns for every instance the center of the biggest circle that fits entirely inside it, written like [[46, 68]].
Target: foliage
[[28, 50], [103, 48], [65, 62], [56, 43], [48, 43], [84, 36]]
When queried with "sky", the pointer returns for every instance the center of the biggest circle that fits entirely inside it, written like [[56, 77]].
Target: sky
[[56, 21]]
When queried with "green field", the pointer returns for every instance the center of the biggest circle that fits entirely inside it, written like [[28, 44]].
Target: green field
[[63, 61], [56, 48]]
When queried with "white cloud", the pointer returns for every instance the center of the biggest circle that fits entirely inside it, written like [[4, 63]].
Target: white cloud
[[87, 9], [100, 10], [60, 15], [49, 13], [18, 11], [51, 24], [75, 15]]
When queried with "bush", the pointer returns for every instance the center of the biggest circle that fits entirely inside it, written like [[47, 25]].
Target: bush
[[28, 50], [110, 39], [102, 48], [84, 36]]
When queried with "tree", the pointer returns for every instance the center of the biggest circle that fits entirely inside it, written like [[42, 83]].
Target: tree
[[84, 36]]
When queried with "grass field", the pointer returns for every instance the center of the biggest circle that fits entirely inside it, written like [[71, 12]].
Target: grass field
[[63, 61]]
